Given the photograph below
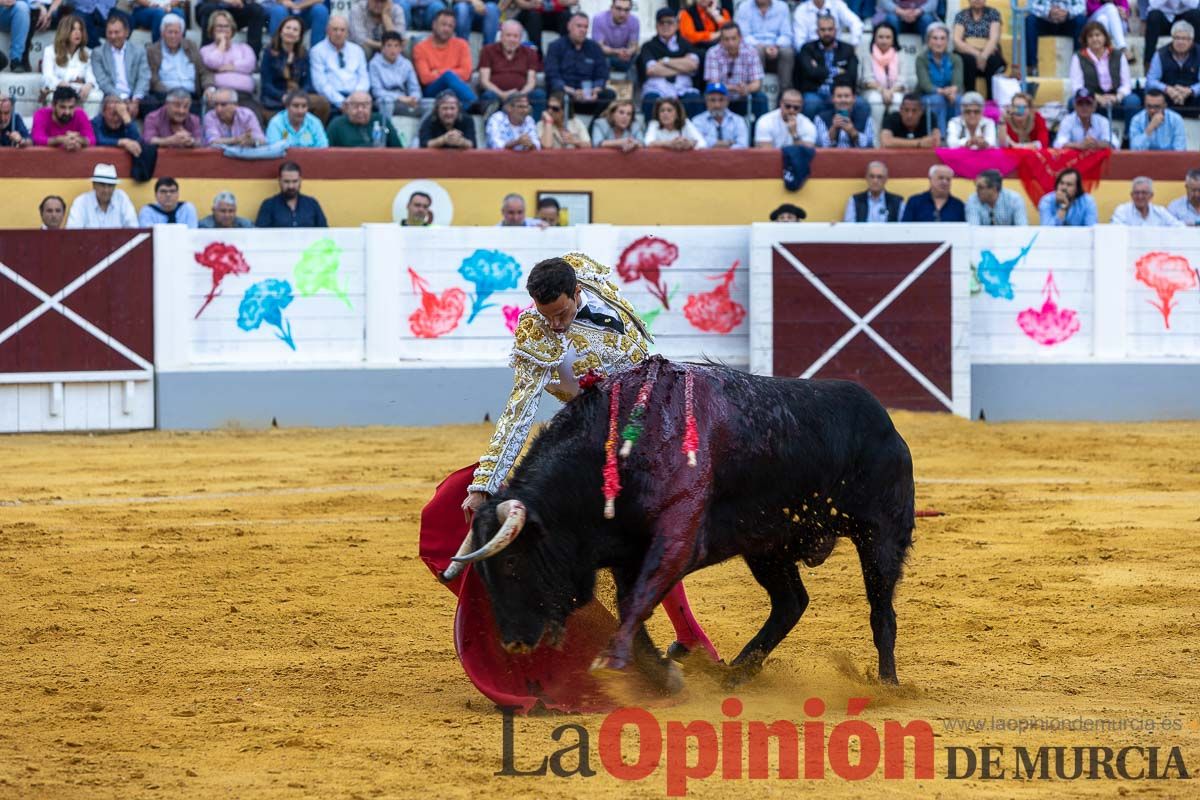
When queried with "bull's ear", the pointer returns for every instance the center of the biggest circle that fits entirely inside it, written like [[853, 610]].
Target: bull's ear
[[533, 520]]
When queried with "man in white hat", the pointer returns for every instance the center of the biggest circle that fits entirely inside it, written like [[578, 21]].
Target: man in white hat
[[105, 206]]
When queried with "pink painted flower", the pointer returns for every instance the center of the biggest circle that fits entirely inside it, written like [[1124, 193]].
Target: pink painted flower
[[1049, 325], [512, 315], [1166, 274], [716, 311]]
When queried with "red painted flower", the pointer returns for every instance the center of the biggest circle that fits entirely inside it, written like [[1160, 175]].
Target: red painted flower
[[645, 258], [1166, 274], [223, 259], [438, 315], [716, 311], [1049, 325]]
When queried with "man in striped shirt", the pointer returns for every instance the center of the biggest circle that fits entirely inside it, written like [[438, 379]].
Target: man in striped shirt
[[737, 65]]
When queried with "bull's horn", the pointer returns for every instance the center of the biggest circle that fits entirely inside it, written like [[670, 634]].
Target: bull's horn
[[513, 514], [451, 572]]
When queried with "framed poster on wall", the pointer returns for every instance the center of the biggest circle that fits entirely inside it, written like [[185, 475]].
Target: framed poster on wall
[[574, 208]]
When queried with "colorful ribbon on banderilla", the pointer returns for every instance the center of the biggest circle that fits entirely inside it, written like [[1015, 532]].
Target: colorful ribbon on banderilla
[[634, 428]]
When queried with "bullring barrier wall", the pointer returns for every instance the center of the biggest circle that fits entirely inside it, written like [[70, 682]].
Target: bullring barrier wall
[[357, 186], [388, 325]]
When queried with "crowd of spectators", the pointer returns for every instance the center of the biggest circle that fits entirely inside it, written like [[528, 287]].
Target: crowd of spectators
[[697, 82], [1069, 205], [699, 77], [107, 206]]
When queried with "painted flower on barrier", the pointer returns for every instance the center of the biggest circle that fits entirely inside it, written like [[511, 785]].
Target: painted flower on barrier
[[223, 259], [491, 271], [716, 311], [512, 315], [317, 269], [438, 315], [651, 315], [995, 276], [1166, 274], [1049, 325], [265, 302], [645, 259]]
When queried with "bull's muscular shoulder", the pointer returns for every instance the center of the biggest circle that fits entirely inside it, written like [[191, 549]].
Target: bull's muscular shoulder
[[535, 342]]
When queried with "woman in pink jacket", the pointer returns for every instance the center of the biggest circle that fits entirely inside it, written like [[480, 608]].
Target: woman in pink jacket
[[232, 63]]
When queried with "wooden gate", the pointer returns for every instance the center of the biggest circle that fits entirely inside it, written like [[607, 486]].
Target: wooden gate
[[76, 330], [877, 314]]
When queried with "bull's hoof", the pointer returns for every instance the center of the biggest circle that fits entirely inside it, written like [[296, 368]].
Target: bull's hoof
[[607, 663], [739, 674], [640, 681], [677, 651], [672, 682]]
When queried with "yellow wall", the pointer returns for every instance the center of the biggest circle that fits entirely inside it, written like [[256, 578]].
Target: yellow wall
[[348, 203]]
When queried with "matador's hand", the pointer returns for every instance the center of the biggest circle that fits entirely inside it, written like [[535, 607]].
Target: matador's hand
[[472, 503]]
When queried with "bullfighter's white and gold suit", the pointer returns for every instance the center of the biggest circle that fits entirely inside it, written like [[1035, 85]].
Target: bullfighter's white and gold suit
[[607, 336]]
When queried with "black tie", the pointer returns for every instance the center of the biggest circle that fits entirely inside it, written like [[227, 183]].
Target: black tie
[[601, 319]]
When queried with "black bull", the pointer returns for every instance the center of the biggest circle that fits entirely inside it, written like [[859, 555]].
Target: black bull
[[786, 466]]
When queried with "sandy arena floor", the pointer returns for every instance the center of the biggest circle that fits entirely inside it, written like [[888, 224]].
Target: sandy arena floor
[[243, 614]]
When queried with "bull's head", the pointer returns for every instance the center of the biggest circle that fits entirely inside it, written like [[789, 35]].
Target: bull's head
[[532, 580]]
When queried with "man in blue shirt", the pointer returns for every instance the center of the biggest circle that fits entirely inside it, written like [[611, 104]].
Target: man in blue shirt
[[289, 208], [718, 125], [114, 127], [1187, 208], [1068, 206], [1051, 18], [767, 26], [992, 204], [1156, 127], [1175, 69], [576, 65], [13, 132], [937, 204]]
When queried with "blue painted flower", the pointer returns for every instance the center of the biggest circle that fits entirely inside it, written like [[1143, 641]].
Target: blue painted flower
[[265, 302], [994, 275], [491, 271]]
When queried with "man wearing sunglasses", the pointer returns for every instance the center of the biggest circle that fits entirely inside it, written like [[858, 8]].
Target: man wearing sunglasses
[[339, 66], [785, 125]]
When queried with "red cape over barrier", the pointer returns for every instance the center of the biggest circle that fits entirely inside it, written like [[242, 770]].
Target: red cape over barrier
[[1037, 169], [558, 679]]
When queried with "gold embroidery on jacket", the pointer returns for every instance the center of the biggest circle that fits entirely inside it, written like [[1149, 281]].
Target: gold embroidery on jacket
[[536, 356]]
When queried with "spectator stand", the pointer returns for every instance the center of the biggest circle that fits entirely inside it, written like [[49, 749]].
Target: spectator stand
[[1051, 89]]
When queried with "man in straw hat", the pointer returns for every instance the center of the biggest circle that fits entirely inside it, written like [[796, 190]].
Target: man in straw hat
[[105, 206]]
